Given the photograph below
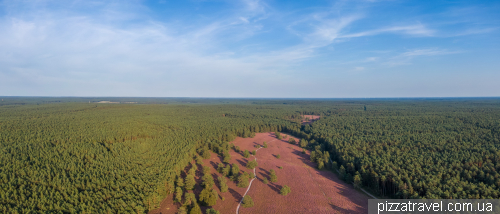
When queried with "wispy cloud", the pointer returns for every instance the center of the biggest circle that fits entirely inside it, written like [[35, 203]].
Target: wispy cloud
[[413, 30]]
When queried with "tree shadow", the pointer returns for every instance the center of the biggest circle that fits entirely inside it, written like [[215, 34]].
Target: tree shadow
[[235, 195], [274, 187], [214, 165], [242, 162]]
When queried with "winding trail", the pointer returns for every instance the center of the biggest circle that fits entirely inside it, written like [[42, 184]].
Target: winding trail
[[254, 176]]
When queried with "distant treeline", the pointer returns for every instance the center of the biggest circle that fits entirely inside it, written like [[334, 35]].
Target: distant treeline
[[74, 156], [420, 149]]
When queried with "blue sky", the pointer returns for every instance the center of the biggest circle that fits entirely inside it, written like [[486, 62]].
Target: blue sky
[[250, 48]]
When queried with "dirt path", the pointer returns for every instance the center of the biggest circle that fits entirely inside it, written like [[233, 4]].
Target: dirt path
[[250, 185]]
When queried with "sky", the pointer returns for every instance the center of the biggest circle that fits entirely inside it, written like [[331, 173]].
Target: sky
[[250, 48]]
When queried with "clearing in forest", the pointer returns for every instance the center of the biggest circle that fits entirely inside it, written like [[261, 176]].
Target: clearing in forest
[[312, 190], [308, 119]]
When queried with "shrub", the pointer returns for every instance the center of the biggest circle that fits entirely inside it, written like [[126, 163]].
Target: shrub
[[254, 152], [278, 156], [278, 135], [285, 190], [265, 144], [265, 181], [247, 201], [303, 151], [280, 167], [273, 176], [246, 154], [291, 140]]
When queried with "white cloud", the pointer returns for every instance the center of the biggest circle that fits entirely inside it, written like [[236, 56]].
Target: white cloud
[[413, 30]]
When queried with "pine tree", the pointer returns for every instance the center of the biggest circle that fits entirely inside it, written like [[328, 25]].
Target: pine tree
[[227, 170], [247, 201], [251, 164], [273, 176], [243, 181], [220, 167], [223, 184], [180, 182], [190, 182], [285, 190], [212, 211], [357, 181], [178, 194], [189, 198], [246, 154], [196, 209], [235, 170]]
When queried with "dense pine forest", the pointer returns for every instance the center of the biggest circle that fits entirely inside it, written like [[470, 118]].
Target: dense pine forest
[[69, 155]]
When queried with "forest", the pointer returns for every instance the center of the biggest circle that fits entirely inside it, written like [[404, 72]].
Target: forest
[[72, 155]]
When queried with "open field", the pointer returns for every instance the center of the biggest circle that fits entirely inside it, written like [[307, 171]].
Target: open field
[[308, 119], [312, 190]]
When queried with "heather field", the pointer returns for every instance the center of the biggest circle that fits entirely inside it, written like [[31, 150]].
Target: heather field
[[309, 118], [312, 190]]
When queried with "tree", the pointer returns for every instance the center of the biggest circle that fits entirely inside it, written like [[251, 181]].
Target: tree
[[285, 190], [180, 182], [273, 176], [206, 154], [321, 165], [223, 184], [291, 141], [178, 194], [357, 181], [235, 169], [192, 171], [303, 143], [182, 210], [246, 154], [247, 201], [220, 167], [303, 151], [206, 170], [251, 164], [189, 198], [265, 181], [254, 152], [196, 209], [237, 149], [190, 182], [278, 135], [212, 211], [227, 170], [208, 181], [278, 156], [227, 158], [342, 172], [207, 197], [265, 144], [243, 181]]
